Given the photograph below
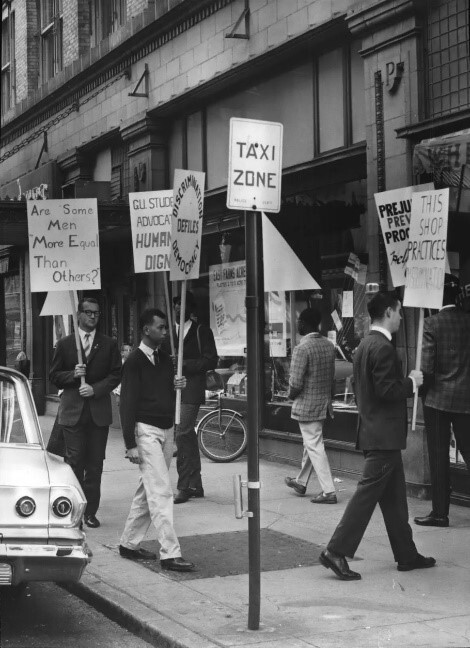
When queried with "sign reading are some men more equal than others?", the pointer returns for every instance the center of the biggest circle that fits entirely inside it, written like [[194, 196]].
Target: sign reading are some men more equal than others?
[[426, 251], [255, 165], [150, 213], [186, 224], [394, 212], [63, 244]]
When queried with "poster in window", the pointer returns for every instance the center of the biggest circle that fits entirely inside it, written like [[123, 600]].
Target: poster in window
[[227, 288], [277, 324]]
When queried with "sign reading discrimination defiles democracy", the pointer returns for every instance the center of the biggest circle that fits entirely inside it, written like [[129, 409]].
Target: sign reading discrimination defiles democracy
[[394, 211], [426, 251], [63, 244], [254, 165], [186, 224], [151, 229]]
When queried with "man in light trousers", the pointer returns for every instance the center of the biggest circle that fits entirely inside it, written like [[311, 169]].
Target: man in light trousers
[[147, 406], [310, 387]]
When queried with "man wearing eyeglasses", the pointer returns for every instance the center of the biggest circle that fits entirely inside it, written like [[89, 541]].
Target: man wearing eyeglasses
[[85, 409]]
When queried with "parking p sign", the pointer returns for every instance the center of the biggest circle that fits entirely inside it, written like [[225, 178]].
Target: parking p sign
[[255, 165]]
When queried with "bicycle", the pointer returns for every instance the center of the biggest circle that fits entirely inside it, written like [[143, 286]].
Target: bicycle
[[222, 433]]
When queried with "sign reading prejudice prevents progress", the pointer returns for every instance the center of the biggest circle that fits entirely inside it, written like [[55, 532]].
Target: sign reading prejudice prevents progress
[[186, 224], [63, 244], [426, 251], [254, 165], [394, 211], [151, 229]]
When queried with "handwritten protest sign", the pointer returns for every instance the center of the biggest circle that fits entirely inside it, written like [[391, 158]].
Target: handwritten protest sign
[[151, 229], [186, 224], [63, 244], [394, 211], [426, 252]]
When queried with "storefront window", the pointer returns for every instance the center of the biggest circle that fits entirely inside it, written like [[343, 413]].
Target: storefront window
[[12, 309]]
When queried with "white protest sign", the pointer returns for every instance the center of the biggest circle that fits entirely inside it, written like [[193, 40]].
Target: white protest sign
[[348, 303], [64, 245], [426, 252], [186, 224], [254, 165], [151, 229], [394, 212]]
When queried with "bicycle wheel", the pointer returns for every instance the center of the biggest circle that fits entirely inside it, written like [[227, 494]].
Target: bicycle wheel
[[222, 435]]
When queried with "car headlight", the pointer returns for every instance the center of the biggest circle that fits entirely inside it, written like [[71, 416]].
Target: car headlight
[[62, 506], [25, 506]]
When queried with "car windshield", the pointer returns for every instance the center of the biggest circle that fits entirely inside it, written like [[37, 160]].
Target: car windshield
[[12, 429]]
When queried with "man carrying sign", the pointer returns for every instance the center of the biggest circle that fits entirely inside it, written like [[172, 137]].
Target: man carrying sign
[[85, 409]]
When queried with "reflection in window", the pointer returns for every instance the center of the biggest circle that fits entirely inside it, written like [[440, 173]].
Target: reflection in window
[[51, 38], [11, 422]]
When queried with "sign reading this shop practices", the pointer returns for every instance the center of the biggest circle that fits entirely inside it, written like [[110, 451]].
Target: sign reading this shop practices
[[64, 245], [426, 251], [186, 224], [394, 212], [255, 165], [151, 229]]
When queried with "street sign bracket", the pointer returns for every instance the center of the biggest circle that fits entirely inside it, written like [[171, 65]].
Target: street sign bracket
[[244, 15], [144, 78]]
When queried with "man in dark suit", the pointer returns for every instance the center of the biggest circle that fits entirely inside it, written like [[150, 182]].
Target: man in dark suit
[[85, 409], [199, 356], [446, 369], [381, 393]]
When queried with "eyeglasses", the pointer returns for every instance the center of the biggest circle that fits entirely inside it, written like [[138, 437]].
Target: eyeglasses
[[90, 313]]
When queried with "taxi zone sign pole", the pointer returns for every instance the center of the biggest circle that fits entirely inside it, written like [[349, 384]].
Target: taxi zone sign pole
[[254, 185]]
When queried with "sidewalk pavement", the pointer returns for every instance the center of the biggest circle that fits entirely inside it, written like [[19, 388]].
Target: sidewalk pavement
[[300, 607]]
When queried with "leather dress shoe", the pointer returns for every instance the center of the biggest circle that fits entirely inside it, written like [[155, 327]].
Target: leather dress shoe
[[92, 521], [184, 495], [432, 520], [136, 554], [339, 565], [177, 564], [325, 498], [420, 562], [293, 483]]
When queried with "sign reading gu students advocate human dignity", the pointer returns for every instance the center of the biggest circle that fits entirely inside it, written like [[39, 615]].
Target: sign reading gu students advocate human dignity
[[186, 224], [151, 229], [63, 244]]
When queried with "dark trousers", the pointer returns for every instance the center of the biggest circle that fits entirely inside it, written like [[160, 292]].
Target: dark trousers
[[188, 461], [383, 483], [438, 427], [85, 449]]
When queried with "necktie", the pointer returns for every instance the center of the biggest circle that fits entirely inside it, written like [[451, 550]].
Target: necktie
[[87, 345], [156, 359]]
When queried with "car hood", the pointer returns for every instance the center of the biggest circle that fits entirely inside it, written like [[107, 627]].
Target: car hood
[[23, 466]]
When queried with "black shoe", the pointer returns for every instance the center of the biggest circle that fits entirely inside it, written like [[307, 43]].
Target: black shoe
[[420, 562], [177, 564], [339, 565], [325, 498], [136, 554], [184, 495], [432, 520], [291, 482], [92, 521]]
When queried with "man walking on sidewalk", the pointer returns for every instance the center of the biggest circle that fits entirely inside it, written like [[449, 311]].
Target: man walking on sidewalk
[[147, 408], [310, 386], [381, 393]]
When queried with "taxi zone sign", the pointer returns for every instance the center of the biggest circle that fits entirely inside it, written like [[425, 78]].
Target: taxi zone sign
[[255, 165]]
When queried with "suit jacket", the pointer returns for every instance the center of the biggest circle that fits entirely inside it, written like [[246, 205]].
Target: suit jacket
[[312, 373], [446, 361], [103, 373], [381, 393], [196, 363]]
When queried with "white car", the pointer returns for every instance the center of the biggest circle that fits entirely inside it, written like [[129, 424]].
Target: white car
[[41, 501]]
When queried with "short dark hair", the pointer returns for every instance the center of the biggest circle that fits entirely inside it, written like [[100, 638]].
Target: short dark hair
[[190, 301], [311, 316], [379, 304], [90, 300], [451, 289], [147, 316]]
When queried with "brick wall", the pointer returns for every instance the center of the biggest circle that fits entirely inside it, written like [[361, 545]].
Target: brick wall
[[135, 7], [70, 31], [26, 48]]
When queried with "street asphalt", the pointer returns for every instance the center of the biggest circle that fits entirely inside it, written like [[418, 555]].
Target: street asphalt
[[301, 606]]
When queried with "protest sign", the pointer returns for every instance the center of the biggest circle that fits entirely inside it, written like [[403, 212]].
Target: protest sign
[[150, 213], [186, 224], [64, 245], [425, 255], [255, 165], [394, 212]]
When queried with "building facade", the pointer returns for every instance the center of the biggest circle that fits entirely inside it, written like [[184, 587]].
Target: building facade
[[108, 97]]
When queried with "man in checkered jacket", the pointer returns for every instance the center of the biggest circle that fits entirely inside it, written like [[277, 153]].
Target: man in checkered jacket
[[446, 369], [311, 387]]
